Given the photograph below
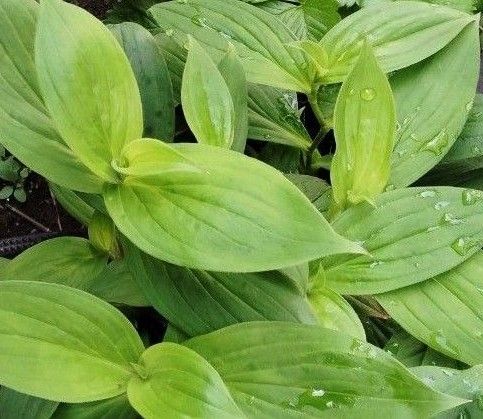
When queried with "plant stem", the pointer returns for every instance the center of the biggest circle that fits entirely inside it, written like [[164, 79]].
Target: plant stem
[[26, 217]]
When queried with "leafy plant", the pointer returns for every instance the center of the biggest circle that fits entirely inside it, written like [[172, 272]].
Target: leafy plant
[[14, 174], [285, 295]]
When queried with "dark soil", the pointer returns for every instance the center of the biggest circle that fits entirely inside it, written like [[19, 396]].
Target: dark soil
[[97, 7]]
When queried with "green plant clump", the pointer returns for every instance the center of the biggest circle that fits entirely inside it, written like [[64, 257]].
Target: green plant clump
[[300, 278]]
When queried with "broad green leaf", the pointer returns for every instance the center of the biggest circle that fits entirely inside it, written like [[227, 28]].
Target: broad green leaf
[[261, 40], [117, 285], [284, 370], [63, 344], [333, 312], [467, 6], [198, 302], [414, 353], [315, 53], [466, 384], [450, 76], [26, 129], [317, 190], [402, 33], [114, 408], [96, 107], [465, 157], [72, 203], [15, 405], [274, 116], [411, 235], [231, 214], [70, 261], [206, 99], [178, 383], [311, 19], [444, 312], [365, 123], [234, 75], [153, 79]]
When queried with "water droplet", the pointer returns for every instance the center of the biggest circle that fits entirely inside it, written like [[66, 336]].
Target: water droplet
[[318, 392], [376, 263], [464, 245], [469, 105], [438, 144], [330, 404], [199, 20], [267, 136], [451, 219], [169, 32], [401, 153], [471, 196], [390, 187], [440, 339], [398, 126], [368, 94], [427, 194], [440, 205]]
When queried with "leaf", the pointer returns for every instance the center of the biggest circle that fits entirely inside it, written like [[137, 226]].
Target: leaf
[[412, 352], [14, 405], [259, 38], [450, 76], [463, 5], [401, 33], [25, 126], [63, 344], [411, 235], [309, 20], [274, 117], [72, 203], [316, 54], [465, 157], [466, 384], [178, 384], [70, 261], [206, 100], [152, 77], [114, 408], [6, 192], [234, 75], [333, 312], [71, 50], [198, 302], [117, 285], [232, 214], [317, 190], [289, 370], [365, 119], [444, 312]]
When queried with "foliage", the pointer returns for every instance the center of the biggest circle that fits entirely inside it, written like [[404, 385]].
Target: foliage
[[286, 295]]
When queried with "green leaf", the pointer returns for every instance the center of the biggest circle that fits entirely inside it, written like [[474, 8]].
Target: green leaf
[[72, 203], [450, 76], [465, 157], [317, 190], [402, 33], [103, 235], [70, 261], [234, 75], [274, 116], [6, 192], [198, 302], [333, 312], [309, 20], [413, 353], [14, 405], [246, 216], [95, 119], [289, 370], [411, 235], [114, 408], [463, 5], [365, 124], [117, 285], [153, 79], [315, 53], [444, 312], [63, 344], [206, 100], [465, 384], [26, 129], [261, 40], [178, 383]]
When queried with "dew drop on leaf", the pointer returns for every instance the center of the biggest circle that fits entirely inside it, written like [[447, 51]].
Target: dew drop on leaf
[[451, 219], [440, 205], [368, 94], [427, 194], [438, 144], [471, 196], [318, 392], [464, 245]]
